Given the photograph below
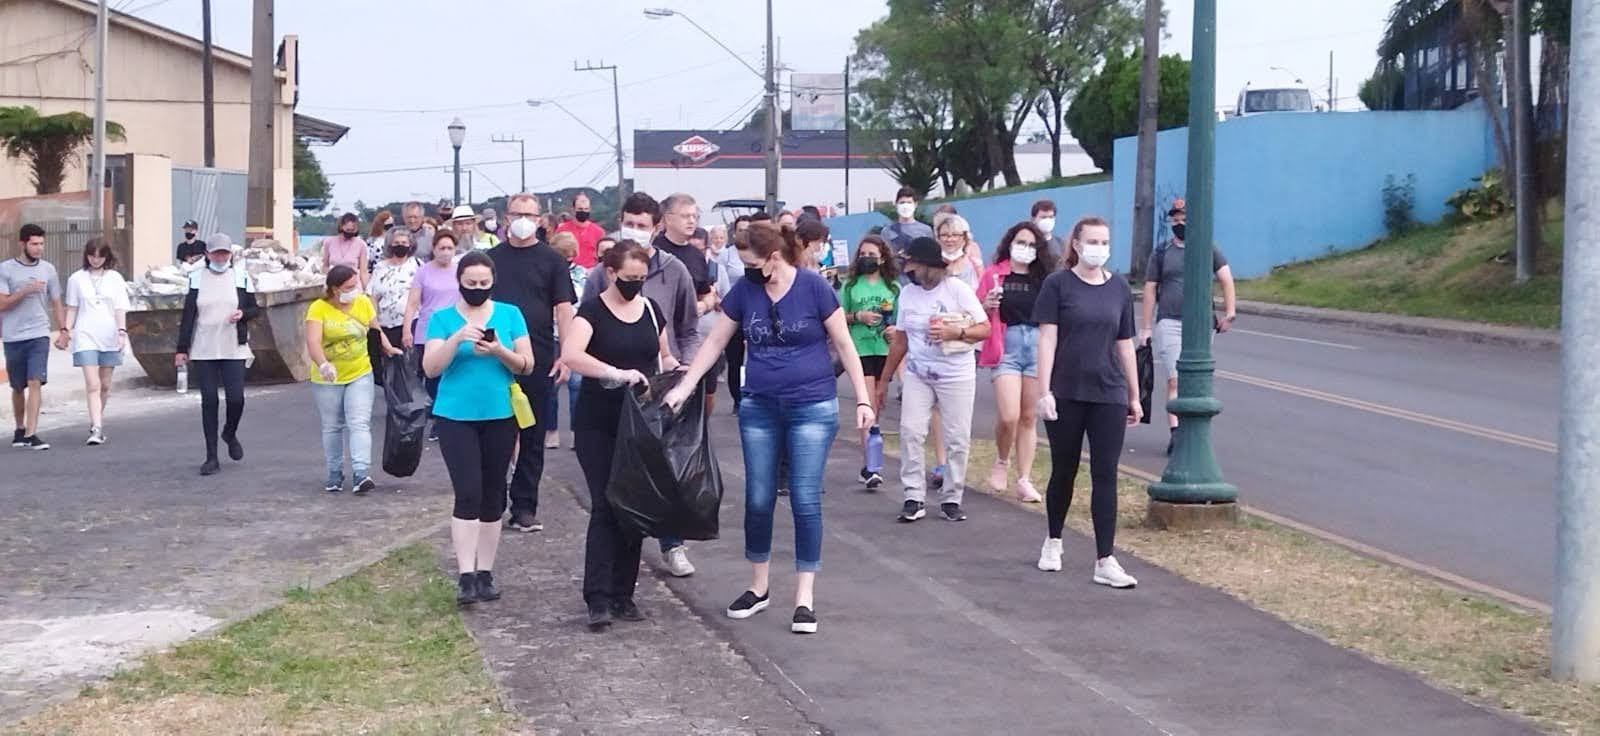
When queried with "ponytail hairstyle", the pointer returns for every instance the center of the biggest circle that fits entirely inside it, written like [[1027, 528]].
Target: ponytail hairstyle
[[766, 239], [1071, 258]]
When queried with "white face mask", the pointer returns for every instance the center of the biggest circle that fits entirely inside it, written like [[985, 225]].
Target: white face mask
[[642, 237], [906, 210], [1095, 256], [1023, 254], [1046, 224], [348, 297], [490, 225], [523, 228], [951, 256]]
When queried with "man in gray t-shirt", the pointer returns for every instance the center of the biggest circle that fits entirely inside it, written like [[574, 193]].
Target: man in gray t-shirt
[[29, 292], [1163, 303]]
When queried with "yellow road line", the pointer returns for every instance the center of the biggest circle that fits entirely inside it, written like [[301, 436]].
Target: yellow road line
[[1452, 425]]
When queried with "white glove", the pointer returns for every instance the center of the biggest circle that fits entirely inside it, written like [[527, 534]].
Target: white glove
[[1047, 407], [616, 378], [328, 372]]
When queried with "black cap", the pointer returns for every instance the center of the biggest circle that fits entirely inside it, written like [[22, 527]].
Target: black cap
[[191, 224], [925, 250]]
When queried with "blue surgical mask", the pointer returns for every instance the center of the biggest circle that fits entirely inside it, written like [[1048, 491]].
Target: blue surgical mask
[[216, 268]]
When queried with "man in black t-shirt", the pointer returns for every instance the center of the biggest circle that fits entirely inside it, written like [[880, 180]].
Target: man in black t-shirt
[[532, 277], [191, 249]]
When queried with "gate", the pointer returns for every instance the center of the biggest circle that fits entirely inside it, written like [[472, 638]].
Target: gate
[[214, 198]]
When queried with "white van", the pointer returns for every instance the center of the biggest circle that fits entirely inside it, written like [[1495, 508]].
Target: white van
[[1283, 98]]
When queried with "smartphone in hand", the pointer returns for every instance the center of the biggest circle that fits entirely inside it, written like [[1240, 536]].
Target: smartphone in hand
[[488, 335]]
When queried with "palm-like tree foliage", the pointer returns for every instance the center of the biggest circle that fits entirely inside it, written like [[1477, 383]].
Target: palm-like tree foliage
[[48, 143]]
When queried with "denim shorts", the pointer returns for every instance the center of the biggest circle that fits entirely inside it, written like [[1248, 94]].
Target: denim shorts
[[1021, 357], [102, 358], [28, 360]]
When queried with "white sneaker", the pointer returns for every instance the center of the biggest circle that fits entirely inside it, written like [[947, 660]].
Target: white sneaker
[[1050, 556], [678, 564], [1108, 572]]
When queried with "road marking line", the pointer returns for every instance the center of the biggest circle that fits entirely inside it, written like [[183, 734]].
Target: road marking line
[[1308, 340], [1368, 550], [1488, 433]]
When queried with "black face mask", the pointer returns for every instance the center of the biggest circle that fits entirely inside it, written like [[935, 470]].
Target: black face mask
[[629, 289], [399, 251], [475, 297], [581, 216], [755, 275], [866, 265], [188, 236], [348, 233], [1179, 230]]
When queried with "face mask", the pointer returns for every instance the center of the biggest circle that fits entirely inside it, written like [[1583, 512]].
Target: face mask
[[1095, 256], [866, 264], [905, 210], [642, 237], [1179, 230], [474, 297], [629, 289], [350, 233], [399, 251], [491, 225], [215, 268], [348, 297], [1046, 224], [540, 234], [581, 216], [1023, 254], [755, 275], [441, 257], [523, 228], [951, 256], [188, 236], [915, 277]]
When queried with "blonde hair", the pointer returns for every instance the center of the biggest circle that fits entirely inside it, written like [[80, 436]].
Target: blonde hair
[[566, 244]]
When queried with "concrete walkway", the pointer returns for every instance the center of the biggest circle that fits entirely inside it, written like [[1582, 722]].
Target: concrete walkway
[[1521, 337]]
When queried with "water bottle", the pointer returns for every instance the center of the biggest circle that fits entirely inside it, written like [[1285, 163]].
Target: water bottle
[[183, 378], [874, 450]]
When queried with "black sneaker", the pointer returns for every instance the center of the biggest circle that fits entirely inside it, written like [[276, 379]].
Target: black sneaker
[[486, 589], [19, 438], [524, 521], [34, 443], [211, 467], [365, 486], [874, 481], [748, 604], [912, 510], [467, 589], [599, 616], [783, 491], [333, 486], [235, 448], [805, 622], [952, 512], [627, 611]]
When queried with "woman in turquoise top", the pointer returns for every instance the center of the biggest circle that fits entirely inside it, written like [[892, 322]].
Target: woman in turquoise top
[[476, 349]]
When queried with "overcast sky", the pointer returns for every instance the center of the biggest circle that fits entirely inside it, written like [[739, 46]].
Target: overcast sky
[[397, 71]]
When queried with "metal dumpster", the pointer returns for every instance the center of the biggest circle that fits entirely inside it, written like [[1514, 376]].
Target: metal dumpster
[[277, 336]]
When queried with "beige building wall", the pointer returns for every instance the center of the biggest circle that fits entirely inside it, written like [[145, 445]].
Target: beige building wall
[[151, 218], [153, 88]]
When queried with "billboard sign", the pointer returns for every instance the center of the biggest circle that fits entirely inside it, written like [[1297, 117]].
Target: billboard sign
[[817, 101]]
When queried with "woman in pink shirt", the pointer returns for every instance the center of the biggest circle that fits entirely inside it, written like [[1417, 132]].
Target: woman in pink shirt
[[347, 248]]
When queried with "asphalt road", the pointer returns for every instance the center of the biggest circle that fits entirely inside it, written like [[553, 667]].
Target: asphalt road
[[1439, 451]]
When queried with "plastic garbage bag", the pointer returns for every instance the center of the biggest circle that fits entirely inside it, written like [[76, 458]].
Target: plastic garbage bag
[[664, 476], [407, 418], [1145, 361]]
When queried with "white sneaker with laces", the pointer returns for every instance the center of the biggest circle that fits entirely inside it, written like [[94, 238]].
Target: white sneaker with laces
[[1108, 572], [678, 563], [1050, 556]]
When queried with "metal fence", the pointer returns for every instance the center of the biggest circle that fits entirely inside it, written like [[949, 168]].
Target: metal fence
[[64, 241]]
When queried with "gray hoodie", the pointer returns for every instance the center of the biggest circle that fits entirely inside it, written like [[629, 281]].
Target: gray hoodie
[[670, 285]]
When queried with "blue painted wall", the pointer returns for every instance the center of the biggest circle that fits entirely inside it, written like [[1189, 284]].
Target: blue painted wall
[[990, 217], [853, 227], [1300, 186]]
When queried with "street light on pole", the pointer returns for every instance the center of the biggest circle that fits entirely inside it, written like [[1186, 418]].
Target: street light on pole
[[458, 136], [772, 141], [616, 110]]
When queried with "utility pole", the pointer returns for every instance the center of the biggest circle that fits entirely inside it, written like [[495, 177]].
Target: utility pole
[[97, 177], [207, 92], [1144, 185], [846, 134], [774, 119], [616, 109], [522, 155], [1191, 491], [1527, 200], [1332, 103], [258, 205], [1576, 623]]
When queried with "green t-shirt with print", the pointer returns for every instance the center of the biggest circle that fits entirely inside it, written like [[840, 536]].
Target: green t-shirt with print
[[874, 296]]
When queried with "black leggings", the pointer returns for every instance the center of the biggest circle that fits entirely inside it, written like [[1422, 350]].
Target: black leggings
[[477, 454], [1105, 424], [611, 554], [209, 375]]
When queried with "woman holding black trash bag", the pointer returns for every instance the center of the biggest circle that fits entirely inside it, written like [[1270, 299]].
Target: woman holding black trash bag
[[789, 316], [476, 349], [616, 340]]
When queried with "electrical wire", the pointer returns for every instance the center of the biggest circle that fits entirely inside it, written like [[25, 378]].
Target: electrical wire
[[581, 164], [741, 108], [600, 174], [431, 167]]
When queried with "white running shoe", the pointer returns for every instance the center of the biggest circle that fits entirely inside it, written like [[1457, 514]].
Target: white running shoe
[[1050, 556], [1108, 572], [678, 563]]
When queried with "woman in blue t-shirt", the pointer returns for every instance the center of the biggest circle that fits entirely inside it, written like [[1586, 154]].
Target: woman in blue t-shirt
[[476, 349], [789, 315]]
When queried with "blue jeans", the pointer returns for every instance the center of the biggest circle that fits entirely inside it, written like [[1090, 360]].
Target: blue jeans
[[552, 408], [346, 409], [803, 432]]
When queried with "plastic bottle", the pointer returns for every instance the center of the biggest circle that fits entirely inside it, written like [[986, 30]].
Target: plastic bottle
[[183, 379], [874, 450]]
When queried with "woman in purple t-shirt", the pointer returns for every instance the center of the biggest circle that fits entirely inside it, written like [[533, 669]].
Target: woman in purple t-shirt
[[789, 316], [432, 289]]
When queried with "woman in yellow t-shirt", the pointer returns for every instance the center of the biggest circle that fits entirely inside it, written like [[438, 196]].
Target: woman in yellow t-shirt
[[336, 339]]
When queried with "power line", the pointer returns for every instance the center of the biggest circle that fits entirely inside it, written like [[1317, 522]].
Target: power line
[[430, 167], [741, 108], [604, 170], [586, 159]]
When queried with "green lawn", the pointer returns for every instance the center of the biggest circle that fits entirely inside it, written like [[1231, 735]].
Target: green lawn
[[1438, 271]]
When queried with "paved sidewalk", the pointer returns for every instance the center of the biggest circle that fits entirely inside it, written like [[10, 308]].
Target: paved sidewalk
[[943, 628], [1528, 337]]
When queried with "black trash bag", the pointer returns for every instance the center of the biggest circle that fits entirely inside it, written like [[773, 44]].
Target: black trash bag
[[1145, 360], [664, 476], [407, 418]]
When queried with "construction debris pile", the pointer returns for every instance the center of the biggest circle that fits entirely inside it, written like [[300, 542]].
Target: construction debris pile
[[271, 266]]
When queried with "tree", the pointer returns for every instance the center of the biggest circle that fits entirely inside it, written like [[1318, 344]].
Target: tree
[[48, 144], [758, 120], [1384, 90], [309, 181], [900, 104], [1072, 35], [1107, 108]]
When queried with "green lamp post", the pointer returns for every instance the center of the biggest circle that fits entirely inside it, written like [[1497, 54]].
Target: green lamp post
[[1191, 491]]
